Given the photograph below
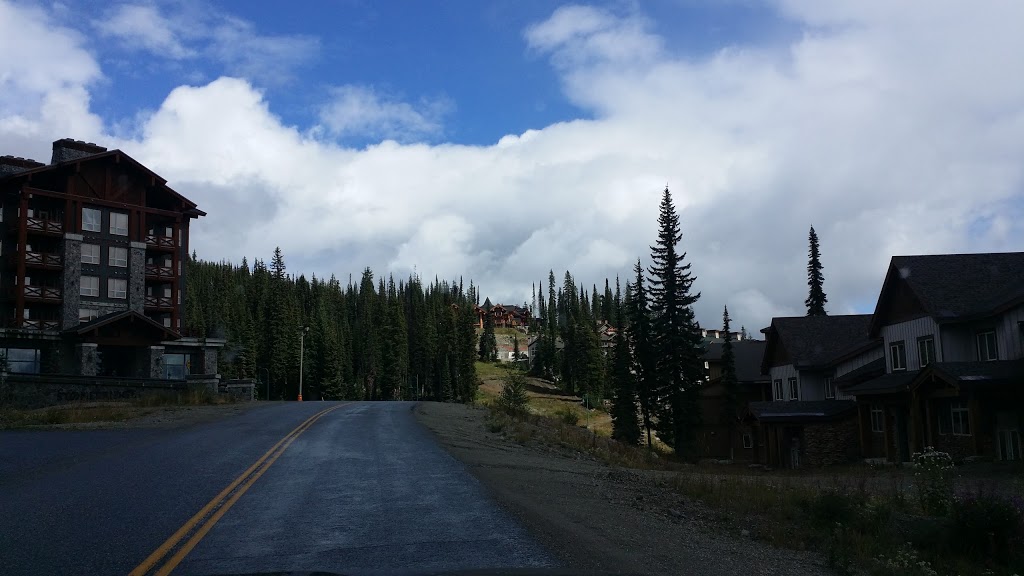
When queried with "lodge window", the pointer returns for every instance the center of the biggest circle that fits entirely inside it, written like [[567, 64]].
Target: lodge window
[[92, 220], [794, 389], [926, 350], [90, 286], [877, 418], [777, 390], [21, 360], [1009, 444], [90, 254], [119, 223], [748, 441], [987, 349], [117, 288], [87, 315], [118, 256], [961, 420], [175, 366], [898, 355], [830, 388]]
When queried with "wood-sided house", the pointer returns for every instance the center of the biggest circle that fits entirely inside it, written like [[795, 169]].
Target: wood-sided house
[[805, 421], [752, 386], [953, 375]]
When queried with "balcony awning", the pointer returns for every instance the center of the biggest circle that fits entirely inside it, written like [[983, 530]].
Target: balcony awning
[[127, 328]]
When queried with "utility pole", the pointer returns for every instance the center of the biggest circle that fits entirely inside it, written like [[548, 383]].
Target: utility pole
[[302, 350]]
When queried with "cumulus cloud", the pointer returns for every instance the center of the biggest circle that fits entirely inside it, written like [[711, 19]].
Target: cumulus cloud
[[144, 27], [892, 128], [362, 111]]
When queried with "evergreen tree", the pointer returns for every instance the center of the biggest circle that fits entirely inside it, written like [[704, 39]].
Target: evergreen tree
[[488, 343], [743, 333], [816, 298], [676, 336], [625, 426], [730, 385], [640, 339]]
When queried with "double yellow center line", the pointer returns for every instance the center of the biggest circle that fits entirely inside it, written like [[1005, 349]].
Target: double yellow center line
[[199, 525]]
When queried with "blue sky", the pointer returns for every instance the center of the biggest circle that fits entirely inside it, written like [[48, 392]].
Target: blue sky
[[500, 140]]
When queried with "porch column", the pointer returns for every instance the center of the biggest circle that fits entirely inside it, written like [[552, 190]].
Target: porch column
[[156, 362], [137, 277], [974, 413], [890, 438], [86, 358], [862, 429], [72, 285], [912, 431]]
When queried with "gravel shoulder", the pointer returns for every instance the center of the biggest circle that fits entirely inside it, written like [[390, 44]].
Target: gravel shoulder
[[600, 518]]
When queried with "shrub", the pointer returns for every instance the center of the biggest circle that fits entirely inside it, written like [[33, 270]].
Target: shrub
[[568, 416], [934, 480], [513, 399], [831, 506], [987, 526], [904, 562]]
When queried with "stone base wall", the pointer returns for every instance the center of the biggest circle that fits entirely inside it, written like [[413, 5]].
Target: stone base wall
[[830, 443]]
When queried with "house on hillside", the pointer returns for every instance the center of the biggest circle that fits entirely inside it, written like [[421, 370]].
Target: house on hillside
[[93, 250], [502, 315], [806, 421], [953, 370], [713, 436]]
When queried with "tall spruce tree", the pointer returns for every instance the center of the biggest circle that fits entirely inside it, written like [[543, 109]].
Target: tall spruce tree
[[640, 340], [625, 425], [676, 336], [730, 384], [816, 298], [488, 342]]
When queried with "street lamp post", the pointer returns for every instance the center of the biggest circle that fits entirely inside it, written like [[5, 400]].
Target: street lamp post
[[302, 349]]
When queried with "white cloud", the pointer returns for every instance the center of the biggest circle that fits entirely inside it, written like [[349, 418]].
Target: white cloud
[[362, 111], [144, 27], [269, 59], [893, 128]]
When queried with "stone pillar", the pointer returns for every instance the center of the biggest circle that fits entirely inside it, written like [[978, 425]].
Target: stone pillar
[[88, 360], [137, 277], [156, 361], [72, 281], [210, 361]]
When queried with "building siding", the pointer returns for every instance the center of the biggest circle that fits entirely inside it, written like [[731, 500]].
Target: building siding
[[784, 373], [860, 360], [1011, 346], [909, 332]]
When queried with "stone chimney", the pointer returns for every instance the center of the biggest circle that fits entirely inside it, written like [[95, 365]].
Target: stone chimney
[[68, 149], [12, 165]]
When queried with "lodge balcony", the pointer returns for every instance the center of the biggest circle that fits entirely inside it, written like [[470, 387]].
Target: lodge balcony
[[44, 294], [44, 226], [156, 242], [35, 324], [158, 272], [159, 303], [43, 260]]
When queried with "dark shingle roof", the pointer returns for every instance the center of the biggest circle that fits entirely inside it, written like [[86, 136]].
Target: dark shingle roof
[[885, 384], [955, 285], [818, 340], [997, 372], [801, 410], [872, 369], [748, 354]]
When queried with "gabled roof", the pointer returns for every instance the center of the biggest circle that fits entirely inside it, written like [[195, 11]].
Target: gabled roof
[[190, 206], [801, 410], [956, 286], [884, 384], [816, 341], [871, 370], [975, 373], [160, 332], [748, 355]]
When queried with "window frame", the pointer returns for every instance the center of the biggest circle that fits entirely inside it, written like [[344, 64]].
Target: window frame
[[961, 409], [794, 386], [748, 441], [117, 230], [994, 348], [777, 390], [111, 261], [99, 220], [1006, 451], [98, 255], [901, 347], [113, 293], [83, 318], [877, 412], [921, 348], [82, 288], [34, 364], [830, 385]]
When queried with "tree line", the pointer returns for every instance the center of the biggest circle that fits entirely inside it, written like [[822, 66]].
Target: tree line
[[371, 340]]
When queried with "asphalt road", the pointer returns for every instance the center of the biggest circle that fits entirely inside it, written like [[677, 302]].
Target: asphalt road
[[364, 489]]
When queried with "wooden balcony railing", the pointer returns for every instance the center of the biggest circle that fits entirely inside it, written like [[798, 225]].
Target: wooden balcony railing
[[44, 226], [42, 259], [154, 241], [158, 302], [37, 324], [157, 271], [42, 293]]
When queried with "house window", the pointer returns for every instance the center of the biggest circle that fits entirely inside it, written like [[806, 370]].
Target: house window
[[119, 223], [21, 360], [91, 220], [926, 350], [175, 366], [118, 257], [794, 389], [877, 418], [830, 388], [87, 315], [898, 354], [117, 288], [987, 346], [167, 321], [777, 390], [90, 254], [960, 419], [1009, 445], [748, 441], [90, 286]]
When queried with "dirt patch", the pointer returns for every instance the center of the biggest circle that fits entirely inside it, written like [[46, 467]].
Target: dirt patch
[[601, 518]]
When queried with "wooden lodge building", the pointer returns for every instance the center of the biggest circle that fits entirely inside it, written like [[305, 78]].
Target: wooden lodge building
[[92, 252]]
